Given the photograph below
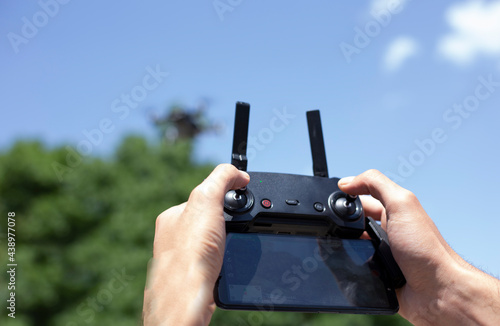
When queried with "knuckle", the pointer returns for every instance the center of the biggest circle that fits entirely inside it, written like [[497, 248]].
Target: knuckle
[[165, 222], [226, 167], [200, 193], [168, 215], [217, 180], [225, 171], [160, 219], [373, 174], [407, 197]]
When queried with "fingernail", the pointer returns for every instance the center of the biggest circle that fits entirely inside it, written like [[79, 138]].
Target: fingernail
[[345, 181]]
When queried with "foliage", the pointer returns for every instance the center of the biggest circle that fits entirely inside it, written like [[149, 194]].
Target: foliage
[[241, 318], [84, 237], [83, 243]]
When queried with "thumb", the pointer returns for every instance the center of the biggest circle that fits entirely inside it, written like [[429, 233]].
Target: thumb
[[222, 179], [374, 183]]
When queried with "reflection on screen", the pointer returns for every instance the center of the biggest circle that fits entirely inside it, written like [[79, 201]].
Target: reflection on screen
[[267, 269]]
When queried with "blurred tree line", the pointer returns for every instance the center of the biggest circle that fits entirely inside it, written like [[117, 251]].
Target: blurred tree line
[[83, 241]]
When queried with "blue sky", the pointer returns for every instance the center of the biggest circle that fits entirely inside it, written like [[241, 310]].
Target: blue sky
[[411, 88]]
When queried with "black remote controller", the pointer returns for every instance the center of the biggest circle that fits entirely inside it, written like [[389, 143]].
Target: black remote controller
[[288, 203], [297, 204]]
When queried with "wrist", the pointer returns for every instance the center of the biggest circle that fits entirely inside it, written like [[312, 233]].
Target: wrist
[[478, 298], [471, 297], [177, 293]]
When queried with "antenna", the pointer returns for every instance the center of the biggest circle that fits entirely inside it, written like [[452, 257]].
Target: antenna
[[240, 137], [320, 166]]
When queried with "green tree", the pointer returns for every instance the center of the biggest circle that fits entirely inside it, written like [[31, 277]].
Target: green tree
[[83, 243], [84, 233]]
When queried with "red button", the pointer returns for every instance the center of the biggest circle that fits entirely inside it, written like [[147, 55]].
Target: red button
[[266, 203]]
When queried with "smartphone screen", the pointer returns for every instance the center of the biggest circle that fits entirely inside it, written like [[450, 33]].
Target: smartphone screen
[[303, 273]]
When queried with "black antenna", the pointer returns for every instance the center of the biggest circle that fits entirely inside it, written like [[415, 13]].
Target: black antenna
[[240, 137], [320, 166]]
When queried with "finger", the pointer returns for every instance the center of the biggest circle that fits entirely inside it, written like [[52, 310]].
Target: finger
[[365, 236], [164, 221], [172, 212], [204, 209], [222, 179], [373, 182], [372, 207]]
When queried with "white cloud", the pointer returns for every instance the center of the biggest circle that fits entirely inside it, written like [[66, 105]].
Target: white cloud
[[400, 50], [475, 28]]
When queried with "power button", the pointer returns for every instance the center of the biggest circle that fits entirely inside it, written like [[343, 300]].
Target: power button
[[266, 203]]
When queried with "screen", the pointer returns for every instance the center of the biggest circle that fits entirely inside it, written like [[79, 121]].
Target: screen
[[303, 273]]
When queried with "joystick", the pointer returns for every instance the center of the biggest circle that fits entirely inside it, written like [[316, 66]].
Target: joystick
[[345, 205], [239, 200]]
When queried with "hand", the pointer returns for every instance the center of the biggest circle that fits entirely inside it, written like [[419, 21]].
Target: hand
[[188, 253], [441, 289]]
